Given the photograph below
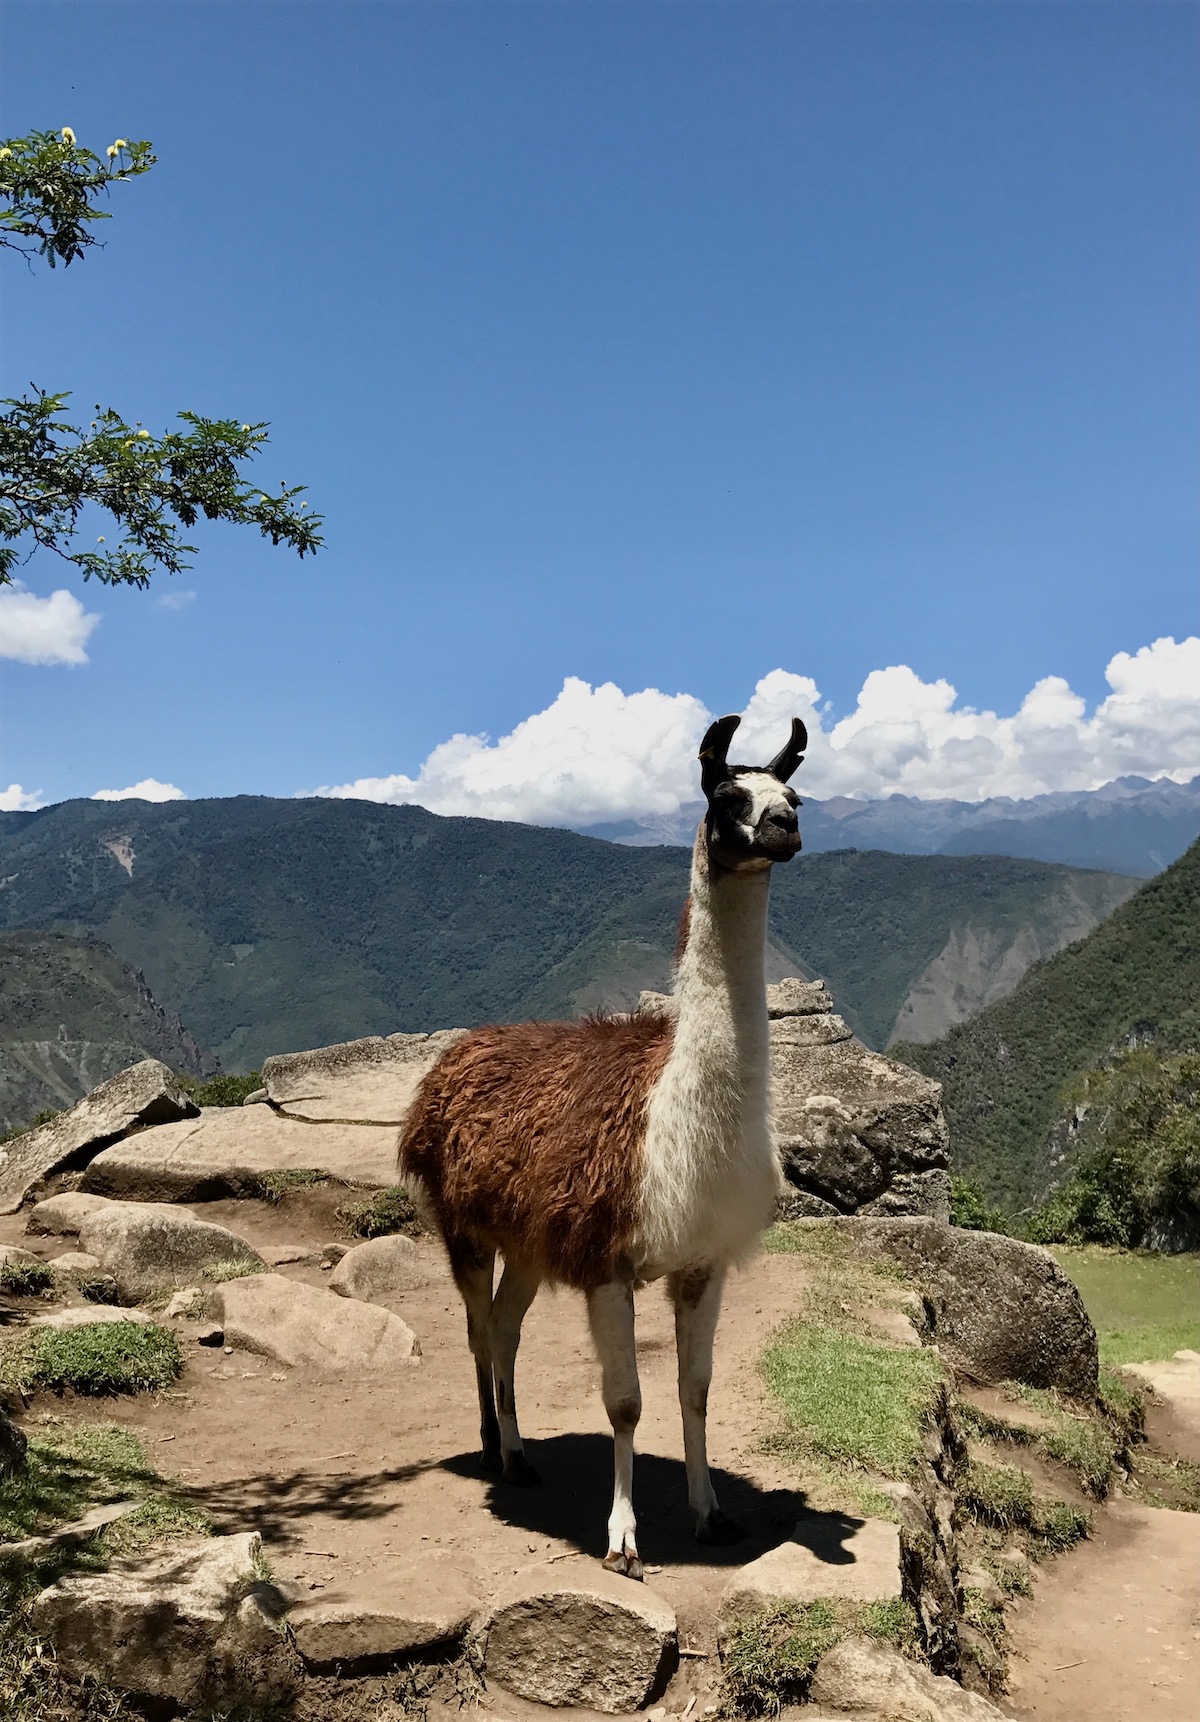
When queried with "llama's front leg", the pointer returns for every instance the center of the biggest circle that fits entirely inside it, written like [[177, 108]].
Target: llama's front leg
[[515, 1293], [610, 1314], [696, 1294]]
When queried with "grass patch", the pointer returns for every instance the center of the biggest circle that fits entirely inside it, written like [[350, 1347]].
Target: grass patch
[[811, 1238], [239, 1269], [220, 1090], [69, 1468], [1166, 1481], [1134, 1298], [107, 1357], [1086, 1445], [274, 1186], [26, 1279], [1003, 1497], [387, 1212], [767, 1660], [848, 1400]]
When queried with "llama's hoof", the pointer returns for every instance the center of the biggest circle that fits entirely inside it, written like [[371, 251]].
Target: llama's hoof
[[491, 1461], [624, 1565], [519, 1471], [718, 1531]]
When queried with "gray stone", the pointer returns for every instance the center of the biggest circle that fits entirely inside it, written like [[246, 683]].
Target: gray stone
[[598, 1642], [13, 1256], [79, 1265], [860, 1676], [1003, 1310], [189, 1302], [154, 1249], [794, 997], [390, 1617], [380, 1270], [926, 1194], [62, 1216], [227, 1150], [90, 1315], [146, 1093], [828, 1555], [299, 1325], [194, 1625], [370, 1081]]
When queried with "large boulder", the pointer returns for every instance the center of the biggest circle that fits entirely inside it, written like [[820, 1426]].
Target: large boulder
[[828, 1555], [1001, 1309], [857, 1132], [154, 1249], [860, 1677], [380, 1270], [64, 1216], [369, 1081], [298, 1325], [146, 1093], [195, 1625], [229, 1150], [595, 1642], [396, 1615]]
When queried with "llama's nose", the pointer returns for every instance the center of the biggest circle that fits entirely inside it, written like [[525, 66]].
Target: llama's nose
[[784, 821]]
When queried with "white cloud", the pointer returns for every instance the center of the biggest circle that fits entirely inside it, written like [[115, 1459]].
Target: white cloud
[[14, 799], [53, 630], [149, 789], [599, 754], [174, 600]]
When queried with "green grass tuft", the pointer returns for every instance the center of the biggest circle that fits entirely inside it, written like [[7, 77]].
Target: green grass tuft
[[768, 1659], [851, 1401], [386, 1212], [1003, 1497], [220, 1090], [1086, 1443], [274, 1186], [26, 1279], [240, 1269], [107, 1357]]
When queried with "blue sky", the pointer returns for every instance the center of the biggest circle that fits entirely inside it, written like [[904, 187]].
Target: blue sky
[[665, 346]]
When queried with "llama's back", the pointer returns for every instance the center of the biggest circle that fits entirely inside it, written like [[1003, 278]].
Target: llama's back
[[528, 1138]]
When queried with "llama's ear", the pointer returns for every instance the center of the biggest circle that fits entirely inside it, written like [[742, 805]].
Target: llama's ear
[[713, 751], [789, 757]]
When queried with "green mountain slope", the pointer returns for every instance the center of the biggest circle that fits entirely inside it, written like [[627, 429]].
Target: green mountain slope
[[274, 925], [1135, 978], [71, 1014]]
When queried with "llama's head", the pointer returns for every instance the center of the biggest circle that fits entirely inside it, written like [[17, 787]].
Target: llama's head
[[751, 820]]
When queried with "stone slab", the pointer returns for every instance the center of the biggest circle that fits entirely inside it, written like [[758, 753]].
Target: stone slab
[[369, 1081], [349, 1623], [145, 1093], [226, 1150], [306, 1326], [828, 1555]]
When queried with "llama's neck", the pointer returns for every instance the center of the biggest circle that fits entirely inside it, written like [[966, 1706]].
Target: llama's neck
[[710, 1174]]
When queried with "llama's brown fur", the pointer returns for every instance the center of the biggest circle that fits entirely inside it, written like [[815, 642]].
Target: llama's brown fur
[[527, 1139]]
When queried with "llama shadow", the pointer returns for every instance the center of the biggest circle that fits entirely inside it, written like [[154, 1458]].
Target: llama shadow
[[575, 1495]]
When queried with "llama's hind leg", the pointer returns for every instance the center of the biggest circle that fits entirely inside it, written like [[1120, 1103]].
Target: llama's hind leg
[[514, 1295], [696, 1295], [473, 1267], [610, 1314]]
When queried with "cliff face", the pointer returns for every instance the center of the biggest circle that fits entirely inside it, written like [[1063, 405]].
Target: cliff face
[[71, 1014]]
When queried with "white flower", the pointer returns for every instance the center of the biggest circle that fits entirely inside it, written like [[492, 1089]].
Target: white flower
[[145, 434], [4, 153], [100, 540], [68, 136]]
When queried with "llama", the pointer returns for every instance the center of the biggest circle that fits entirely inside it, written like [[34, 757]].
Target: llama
[[606, 1153]]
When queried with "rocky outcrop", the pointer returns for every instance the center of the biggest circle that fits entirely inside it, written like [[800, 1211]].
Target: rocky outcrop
[[857, 1132], [370, 1081], [596, 1642], [296, 1324], [860, 1677], [1002, 1310], [195, 1626], [146, 1093], [153, 1249]]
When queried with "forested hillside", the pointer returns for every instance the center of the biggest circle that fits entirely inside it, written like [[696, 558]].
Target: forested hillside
[[274, 925], [1134, 980]]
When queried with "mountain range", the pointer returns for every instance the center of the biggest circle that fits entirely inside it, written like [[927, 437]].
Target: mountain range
[[274, 925], [1132, 825]]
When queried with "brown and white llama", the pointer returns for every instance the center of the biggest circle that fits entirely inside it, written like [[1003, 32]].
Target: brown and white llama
[[606, 1153]]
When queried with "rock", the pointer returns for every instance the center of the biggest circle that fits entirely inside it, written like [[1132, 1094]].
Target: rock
[[190, 1302], [596, 1642], [90, 1315], [297, 1324], [12, 1256], [12, 1447], [194, 1624], [227, 1150], [209, 1333], [351, 1624], [1003, 1310], [156, 1249], [860, 1675], [370, 1081], [257, 1097], [856, 1130], [379, 1270], [146, 1093], [283, 1255], [828, 1555], [62, 1216]]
